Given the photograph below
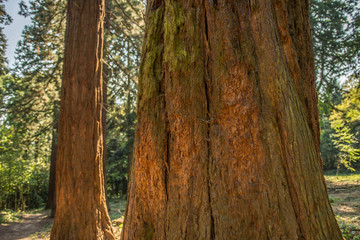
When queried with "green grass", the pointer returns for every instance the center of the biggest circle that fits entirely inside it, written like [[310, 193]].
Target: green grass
[[9, 216], [117, 206], [349, 231], [343, 176], [37, 210]]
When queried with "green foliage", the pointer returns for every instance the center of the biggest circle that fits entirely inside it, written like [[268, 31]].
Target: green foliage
[[119, 151], [8, 216], [23, 173], [349, 232], [345, 120], [333, 41], [30, 106], [123, 39], [336, 37], [30, 98], [5, 19], [328, 149]]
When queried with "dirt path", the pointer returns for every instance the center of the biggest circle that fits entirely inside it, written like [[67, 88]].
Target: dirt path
[[30, 224]]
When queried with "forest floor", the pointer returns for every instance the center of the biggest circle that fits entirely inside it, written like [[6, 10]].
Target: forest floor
[[36, 225], [25, 226], [344, 195]]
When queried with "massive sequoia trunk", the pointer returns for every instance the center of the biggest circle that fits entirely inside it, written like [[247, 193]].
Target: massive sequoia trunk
[[227, 140], [80, 197]]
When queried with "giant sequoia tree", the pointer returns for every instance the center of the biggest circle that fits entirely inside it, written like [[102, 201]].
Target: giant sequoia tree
[[227, 141], [80, 195]]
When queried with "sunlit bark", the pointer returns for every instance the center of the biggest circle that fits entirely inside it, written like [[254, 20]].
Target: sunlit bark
[[227, 140], [80, 197]]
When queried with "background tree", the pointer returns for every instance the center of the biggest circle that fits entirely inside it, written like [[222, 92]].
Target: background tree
[[5, 19], [122, 57], [46, 38], [22, 171], [345, 120], [336, 47], [80, 195], [227, 141], [21, 164], [33, 98]]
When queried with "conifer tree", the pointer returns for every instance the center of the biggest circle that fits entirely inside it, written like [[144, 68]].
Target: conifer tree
[[336, 50], [122, 57], [80, 195], [5, 19], [39, 61]]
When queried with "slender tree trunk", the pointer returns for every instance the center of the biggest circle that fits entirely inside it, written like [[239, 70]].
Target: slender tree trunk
[[227, 140], [80, 196], [51, 201]]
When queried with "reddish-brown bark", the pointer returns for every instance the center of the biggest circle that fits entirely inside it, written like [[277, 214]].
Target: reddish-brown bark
[[80, 196], [227, 140]]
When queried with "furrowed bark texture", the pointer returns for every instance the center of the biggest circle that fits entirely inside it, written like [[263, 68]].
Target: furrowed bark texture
[[80, 196], [227, 141]]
